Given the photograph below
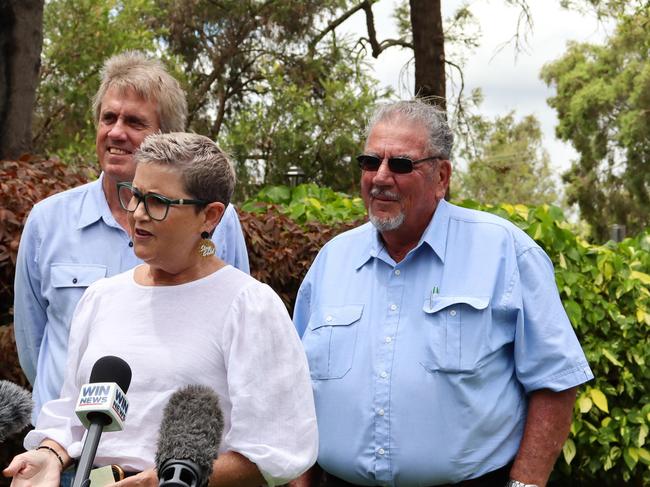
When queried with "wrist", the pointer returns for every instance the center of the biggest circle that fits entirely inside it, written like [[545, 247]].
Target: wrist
[[54, 453], [517, 483]]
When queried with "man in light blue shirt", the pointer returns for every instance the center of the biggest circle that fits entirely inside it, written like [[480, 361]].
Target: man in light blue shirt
[[76, 237], [439, 350]]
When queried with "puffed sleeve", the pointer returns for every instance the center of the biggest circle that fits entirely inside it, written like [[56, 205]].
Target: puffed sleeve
[[57, 419], [273, 420]]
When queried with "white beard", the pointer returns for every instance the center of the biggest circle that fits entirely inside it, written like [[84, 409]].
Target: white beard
[[386, 224]]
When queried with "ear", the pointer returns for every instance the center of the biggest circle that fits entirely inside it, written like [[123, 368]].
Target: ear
[[443, 175], [213, 213]]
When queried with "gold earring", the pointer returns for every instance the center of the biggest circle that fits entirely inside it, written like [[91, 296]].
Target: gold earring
[[206, 246]]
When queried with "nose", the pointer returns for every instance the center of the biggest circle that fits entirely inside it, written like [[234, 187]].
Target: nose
[[383, 175], [140, 212], [117, 130]]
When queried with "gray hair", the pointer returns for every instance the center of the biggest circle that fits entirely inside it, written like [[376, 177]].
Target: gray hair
[[150, 81], [205, 169], [434, 120]]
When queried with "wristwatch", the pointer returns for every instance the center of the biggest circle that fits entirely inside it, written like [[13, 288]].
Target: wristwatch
[[516, 483]]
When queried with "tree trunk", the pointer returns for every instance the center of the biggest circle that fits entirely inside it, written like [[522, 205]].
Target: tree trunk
[[21, 40], [429, 51]]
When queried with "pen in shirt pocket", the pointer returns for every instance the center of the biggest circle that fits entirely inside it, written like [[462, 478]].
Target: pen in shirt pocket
[[434, 291]]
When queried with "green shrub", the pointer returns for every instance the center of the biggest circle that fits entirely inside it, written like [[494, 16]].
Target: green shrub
[[308, 202]]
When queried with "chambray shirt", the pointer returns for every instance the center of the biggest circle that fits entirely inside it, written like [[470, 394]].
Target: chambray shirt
[[70, 240], [421, 369]]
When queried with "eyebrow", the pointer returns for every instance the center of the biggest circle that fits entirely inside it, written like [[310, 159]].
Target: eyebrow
[[129, 118]]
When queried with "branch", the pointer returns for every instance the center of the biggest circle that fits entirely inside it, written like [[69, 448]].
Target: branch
[[462, 82], [337, 22], [378, 47]]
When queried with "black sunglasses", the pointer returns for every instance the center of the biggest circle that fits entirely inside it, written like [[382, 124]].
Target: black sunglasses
[[398, 165]]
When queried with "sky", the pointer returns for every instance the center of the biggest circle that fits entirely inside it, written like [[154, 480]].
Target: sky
[[508, 81]]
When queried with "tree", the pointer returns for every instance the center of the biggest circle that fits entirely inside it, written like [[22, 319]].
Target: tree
[[602, 99], [21, 38], [506, 163], [312, 118], [79, 36]]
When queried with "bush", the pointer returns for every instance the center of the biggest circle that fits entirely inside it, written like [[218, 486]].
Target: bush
[[308, 202]]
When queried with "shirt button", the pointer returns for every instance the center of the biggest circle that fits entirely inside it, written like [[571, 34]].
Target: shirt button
[[74, 281], [381, 412], [397, 272], [389, 339], [329, 318], [393, 307], [381, 451], [383, 375], [130, 244], [452, 312]]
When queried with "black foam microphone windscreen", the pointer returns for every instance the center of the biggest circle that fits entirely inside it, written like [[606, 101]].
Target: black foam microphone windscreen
[[190, 435], [15, 408], [111, 369]]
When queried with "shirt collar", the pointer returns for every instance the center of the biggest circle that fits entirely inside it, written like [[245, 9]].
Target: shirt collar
[[94, 206], [435, 236]]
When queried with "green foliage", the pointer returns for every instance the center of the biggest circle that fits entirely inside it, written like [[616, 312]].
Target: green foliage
[[605, 291], [310, 114], [308, 202], [78, 36], [506, 162], [602, 100]]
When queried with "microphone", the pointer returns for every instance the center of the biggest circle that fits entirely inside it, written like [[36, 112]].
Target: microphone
[[190, 435], [102, 405], [15, 409]]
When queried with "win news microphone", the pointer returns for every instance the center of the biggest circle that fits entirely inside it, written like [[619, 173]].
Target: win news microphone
[[190, 435], [102, 406], [15, 409]]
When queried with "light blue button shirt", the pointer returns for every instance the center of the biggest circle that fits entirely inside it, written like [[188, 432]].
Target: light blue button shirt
[[71, 240], [421, 368]]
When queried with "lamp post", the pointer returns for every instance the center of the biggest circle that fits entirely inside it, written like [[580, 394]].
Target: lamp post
[[295, 175], [617, 232]]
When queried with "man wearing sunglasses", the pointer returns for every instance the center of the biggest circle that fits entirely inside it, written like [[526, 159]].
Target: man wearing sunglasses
[[439, 350], [79, 236]]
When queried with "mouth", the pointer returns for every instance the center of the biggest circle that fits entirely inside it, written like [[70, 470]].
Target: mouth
[[140, 233], [116, 151], [383, 195]]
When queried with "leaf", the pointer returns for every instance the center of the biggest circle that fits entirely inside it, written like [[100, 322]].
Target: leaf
[[641, 276], [585, 404], [611, 358], [643, 434], [599, 399], [644, 455], [569, 451], [631, 457]]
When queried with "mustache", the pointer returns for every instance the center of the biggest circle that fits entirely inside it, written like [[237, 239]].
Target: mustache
[[384, 193]]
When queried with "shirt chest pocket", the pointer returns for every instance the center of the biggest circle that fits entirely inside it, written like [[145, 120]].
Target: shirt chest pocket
[[455, 328], [330, 340], [69, 281], [76, 275]]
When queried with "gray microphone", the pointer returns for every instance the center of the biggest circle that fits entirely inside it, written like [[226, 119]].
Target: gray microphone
[[190, 435], [15, 409]]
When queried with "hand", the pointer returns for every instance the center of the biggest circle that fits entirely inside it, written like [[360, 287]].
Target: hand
[[34, 468], [148, 478]]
